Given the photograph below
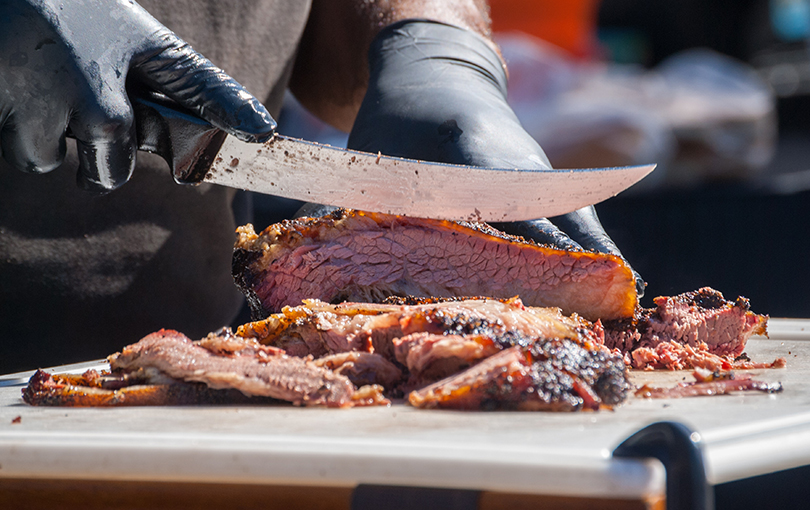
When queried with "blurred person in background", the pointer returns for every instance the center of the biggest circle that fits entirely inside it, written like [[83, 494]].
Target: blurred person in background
[[585, 93]]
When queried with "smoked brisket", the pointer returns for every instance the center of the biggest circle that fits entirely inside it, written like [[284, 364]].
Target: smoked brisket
[[102, 389], [224, 361], [557, 362], [548, 376], [356, 256], [693, 329]]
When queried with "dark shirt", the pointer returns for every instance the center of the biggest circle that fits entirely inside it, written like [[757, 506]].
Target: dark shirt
[[83, 275]]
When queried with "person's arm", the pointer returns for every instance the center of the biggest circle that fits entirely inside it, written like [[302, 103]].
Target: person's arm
[[433, 87], [68, 65], [331, 70]]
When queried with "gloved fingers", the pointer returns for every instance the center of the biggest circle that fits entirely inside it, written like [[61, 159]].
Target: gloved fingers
[[583, 225], [641, 284], [541, 231], [175, 69], [34, 144], [106, 143]]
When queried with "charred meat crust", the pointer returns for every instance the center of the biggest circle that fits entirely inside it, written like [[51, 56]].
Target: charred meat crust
[[515, 379], [245, 280]]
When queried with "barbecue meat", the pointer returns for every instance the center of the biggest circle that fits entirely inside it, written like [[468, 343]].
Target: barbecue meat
[[548, 376], [429, 356], [356, 256], [563, 364], [318, 327], [96, 389], [702, 320], [709, 383], [476, 353], [363, 368], [224, 361]]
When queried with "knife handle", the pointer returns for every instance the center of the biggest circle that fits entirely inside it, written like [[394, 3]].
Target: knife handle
[[188, 143]]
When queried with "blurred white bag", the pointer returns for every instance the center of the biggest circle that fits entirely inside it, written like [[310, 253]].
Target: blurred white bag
[[699, 115]]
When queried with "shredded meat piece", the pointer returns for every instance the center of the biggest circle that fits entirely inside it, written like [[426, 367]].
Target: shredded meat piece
[[675, 356], [709, 383]]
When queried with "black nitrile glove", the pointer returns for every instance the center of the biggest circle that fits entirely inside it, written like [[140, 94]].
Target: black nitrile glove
[[438, 93], [65, 64]]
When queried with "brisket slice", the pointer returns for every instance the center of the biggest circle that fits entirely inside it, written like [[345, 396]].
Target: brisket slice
[[701, 319], [97, 389], [429, 356], [223, 361], [526, 379], [356, 256], [316, 328]]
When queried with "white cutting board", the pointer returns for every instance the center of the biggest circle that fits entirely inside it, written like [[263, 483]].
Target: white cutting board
[[543, 453]]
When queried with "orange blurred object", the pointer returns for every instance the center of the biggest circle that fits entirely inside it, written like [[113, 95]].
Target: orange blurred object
[[569, 24]]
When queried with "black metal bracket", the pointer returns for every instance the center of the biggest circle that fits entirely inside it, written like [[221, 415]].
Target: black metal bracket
[[679, 449]]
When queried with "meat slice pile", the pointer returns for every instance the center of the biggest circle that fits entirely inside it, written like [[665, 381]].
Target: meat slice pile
[[224, 361], [457, 353], [166, 368], [140, 388], [356, 256], [466, 354], [463, 354]]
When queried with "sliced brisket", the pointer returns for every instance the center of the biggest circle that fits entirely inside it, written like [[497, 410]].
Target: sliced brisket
[[223, 361], [363, 368], [436, 339], [95, 389], [523, 379], [315, 327], [431, 356], [702, 320], [456, 353], [356, 256]]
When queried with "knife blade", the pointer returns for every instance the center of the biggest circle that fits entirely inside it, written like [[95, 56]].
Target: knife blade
[[198, 152]]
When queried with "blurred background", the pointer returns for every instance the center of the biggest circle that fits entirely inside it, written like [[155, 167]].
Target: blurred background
[[716, 92]]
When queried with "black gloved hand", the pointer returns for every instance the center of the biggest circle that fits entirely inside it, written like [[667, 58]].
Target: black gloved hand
[[65, 64], [438, 93]]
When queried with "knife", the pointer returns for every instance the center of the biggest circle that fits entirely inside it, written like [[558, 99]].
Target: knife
[[198, 152]]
